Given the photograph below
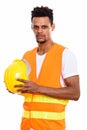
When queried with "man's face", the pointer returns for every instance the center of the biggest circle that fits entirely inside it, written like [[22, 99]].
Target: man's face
[[42, 29]]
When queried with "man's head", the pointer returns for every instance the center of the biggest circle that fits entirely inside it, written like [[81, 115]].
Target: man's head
[[42, 24], [42, 12]]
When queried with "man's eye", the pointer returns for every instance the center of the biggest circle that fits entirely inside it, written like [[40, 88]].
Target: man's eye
[[44, 27], [36, 27]]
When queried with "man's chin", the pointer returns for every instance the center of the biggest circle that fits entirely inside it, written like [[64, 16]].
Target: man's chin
[[41, 42]]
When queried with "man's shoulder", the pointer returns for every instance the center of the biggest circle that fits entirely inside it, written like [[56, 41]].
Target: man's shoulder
[[59, 47], [30, 51]]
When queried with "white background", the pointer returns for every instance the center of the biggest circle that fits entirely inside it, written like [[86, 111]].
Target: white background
[[16, 37]]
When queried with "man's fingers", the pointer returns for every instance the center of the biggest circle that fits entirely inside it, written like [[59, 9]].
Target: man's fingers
[[22, 80], [19, 86]]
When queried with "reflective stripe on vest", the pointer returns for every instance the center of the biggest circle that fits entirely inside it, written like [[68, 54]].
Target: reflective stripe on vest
[[46, 99], [44, 115]]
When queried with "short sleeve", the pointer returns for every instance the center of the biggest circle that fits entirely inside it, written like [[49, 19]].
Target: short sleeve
[[69, 64]]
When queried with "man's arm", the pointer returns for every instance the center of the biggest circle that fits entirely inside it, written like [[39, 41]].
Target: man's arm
[[71, 91]]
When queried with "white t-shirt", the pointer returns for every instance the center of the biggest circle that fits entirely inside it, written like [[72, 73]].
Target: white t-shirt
[[69, 65]]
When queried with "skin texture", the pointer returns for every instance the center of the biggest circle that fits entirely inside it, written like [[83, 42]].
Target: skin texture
[[42, 29]]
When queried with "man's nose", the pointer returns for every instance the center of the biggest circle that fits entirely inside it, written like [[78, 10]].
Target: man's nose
[[40, 29]]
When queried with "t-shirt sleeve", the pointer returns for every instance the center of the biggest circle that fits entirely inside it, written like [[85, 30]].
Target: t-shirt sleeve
[[69, 64]]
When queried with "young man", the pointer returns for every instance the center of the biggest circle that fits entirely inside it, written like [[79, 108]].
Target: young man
[[53, 79]]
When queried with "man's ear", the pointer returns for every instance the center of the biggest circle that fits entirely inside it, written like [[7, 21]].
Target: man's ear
[[53, 27], [31, 26]]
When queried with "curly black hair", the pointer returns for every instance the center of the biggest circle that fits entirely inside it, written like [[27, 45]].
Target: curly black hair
[[42, 12]]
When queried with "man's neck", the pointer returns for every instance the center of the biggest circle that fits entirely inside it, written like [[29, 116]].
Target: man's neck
[[44, 48]]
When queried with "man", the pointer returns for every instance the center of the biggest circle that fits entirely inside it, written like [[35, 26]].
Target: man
[[53, 79]]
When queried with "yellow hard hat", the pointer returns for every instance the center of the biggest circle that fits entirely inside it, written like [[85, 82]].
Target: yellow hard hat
[[17, 69]]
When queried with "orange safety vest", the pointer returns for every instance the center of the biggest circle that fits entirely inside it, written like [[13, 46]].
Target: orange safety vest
[[43, 112]]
